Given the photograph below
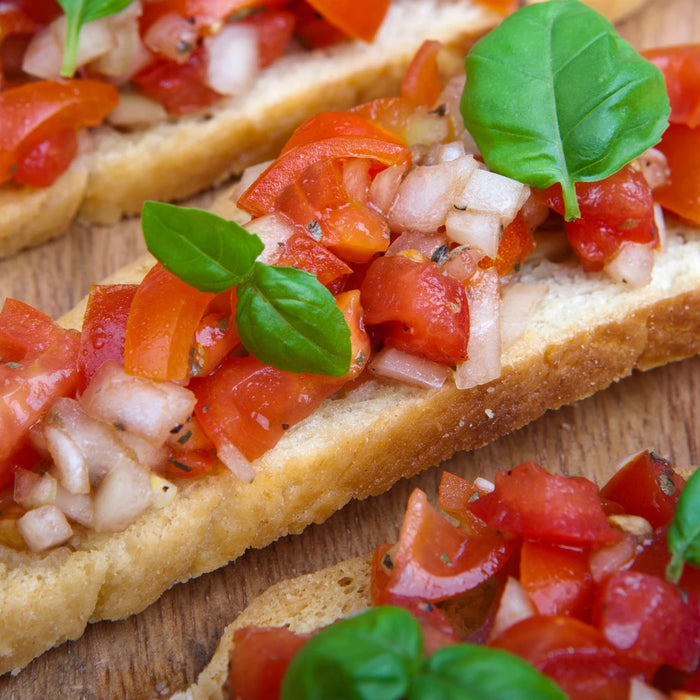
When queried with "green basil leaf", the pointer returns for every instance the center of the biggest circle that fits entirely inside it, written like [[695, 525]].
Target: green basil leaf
[[370, 656], [553, 94], [684, 532], [470, 672], [78, 12], [201, 248], [288, 319]]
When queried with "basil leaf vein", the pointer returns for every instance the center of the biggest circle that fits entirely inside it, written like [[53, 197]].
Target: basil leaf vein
[[684, 532], [553, 94]]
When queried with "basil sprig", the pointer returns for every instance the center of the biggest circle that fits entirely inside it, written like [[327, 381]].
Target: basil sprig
[[379, 654], [285, 317], [684, 533], [78, 12], [553, 94]]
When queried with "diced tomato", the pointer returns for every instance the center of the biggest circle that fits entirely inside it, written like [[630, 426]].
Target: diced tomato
[[305, 253], [681, 195], [104, 328], [530, 502], [250, 405], [215, 337], [43, 163], [41, 11], [421, 83], [259, 660], [575, 655], [649, 618], [454, 496], [37, 111], [275, 29], [435, 560], [432, 321], [646, 486], [312, 29], [681, 68], [617, 209], [164, 316], [557, 579], [516, 244], [356, 19], [38, 363], [188, 464], [394, 114], [179, 87]]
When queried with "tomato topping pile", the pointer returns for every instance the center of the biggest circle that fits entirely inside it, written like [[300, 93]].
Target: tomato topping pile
[[591, 628]]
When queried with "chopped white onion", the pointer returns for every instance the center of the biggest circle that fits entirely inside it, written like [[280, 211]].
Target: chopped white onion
[[384, 187], [128, 55], [484, 485], [234, 60], [32, 490], [140, 449], [149, 409], [76, 506], [44, 527], [613, 557], [69, 459], [164, 491], [136, 112], [460, 263], [95, 39], [274, 230], [356, 179], [424, 243], [232, 457], [484, 348], [515, 605], [632, 265], [426, 128], [654, 166], [409, 369], [492, 193], [43, 56], [478, 230], [172, 36], [660, 223], [123, 494], [517, 304]]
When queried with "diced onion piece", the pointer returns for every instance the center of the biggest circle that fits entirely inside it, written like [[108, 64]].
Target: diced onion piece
[[426, 128], [143, 451], [660, 223], [424, 243], [484, 347], [493, 193], [632, 265], [612, 557], [443, 152], [409, 369], [426, 194], [384, 187], [484, 485], [172, 36], [128, 55], [517, 304], [32, 490], [460, 263], [234, 60], [149, 409], [274, 230], [639, 690], [69, 459], [654, 166], [95, 39], [231, 456], [43, 56], [123, 494], [515, 605], [136, 112], [356, 179], [164, 491], [44, 527], [76, 506], [478, 230]]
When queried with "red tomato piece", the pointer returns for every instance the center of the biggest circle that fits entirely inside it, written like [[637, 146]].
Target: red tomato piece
[[37, 111], [104, 328], [41, 366], [617, 209], [393, 114], [215, 337], [557, 579], [421, 83], [188, 464], [43, 163], [575, 655], [305, 253], [359, 20], [275, 30], [432, 321], [251, 405], [435, 560], [650, 618], [454, 496], [517, 243], [681, 68], [312, 29], [259, 660], [530, 502], [164, 316], [681, 195], [646, 486], [179, 87]]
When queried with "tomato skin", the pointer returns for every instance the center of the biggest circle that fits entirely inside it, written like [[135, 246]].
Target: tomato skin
[[617, 209], [104, 328], [275, 30], [649, 618], [421, 84], [305, 253], [433, 321], [259, 660], [360, 20], [516, 244], [189, 464], [163, 318], [38, 364], [216, 336], [42, 164], [646, 486], [454, 496], [37, 111], [530, 502]]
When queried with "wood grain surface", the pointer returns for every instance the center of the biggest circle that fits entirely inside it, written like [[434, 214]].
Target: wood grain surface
[[161, 650]]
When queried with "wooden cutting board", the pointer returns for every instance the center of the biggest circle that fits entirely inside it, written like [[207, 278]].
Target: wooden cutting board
[[161, 650]]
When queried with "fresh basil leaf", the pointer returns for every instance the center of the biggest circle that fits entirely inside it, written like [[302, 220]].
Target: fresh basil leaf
[[370, 656], [470, 672], [78, 12], [553, 94], [684, 532], [201, 248], [288, 319]]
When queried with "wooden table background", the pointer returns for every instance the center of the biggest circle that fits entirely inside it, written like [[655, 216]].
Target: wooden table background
[[162, 649]]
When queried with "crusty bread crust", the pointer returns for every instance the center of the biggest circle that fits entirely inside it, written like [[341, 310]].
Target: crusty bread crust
[[585, 334], [174, 160]]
